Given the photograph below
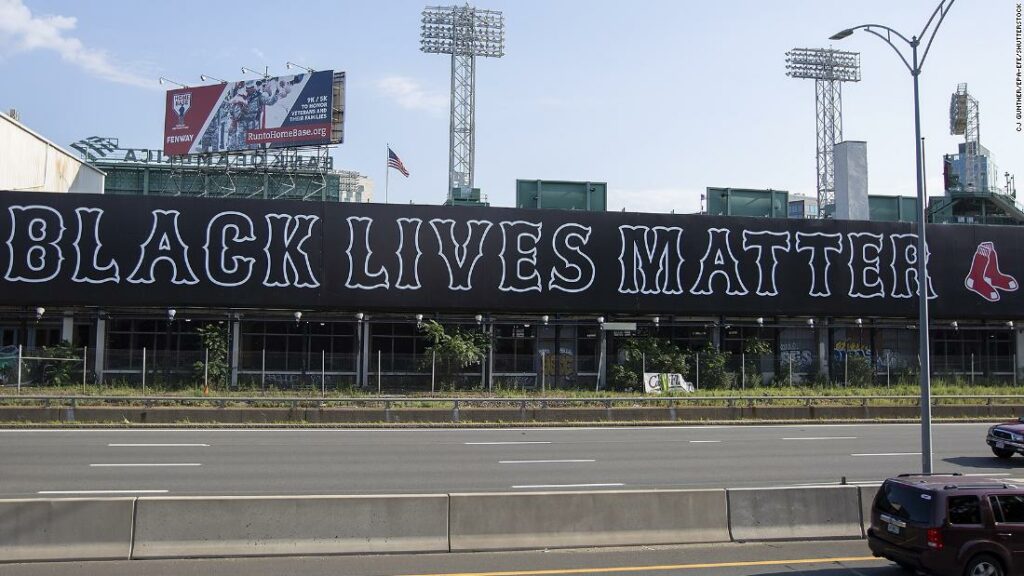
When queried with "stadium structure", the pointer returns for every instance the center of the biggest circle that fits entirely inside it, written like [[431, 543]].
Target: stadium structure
[[280, 174], [314, 287]]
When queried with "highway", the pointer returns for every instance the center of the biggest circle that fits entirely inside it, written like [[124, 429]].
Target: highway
[[818, 558], [89, 462]]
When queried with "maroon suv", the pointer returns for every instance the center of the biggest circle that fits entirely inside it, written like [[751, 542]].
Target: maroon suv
[[949, 525], [1007, 439]]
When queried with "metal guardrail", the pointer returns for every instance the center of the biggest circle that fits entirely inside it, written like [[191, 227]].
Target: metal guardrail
[[387, 401]]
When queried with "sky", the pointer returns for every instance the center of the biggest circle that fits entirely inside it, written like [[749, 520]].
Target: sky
[[658, 98]]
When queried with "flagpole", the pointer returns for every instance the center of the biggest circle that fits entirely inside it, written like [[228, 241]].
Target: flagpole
[[387, 171]]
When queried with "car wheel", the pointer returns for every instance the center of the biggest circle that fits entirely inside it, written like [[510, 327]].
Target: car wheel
[[906, 566], [1002, 452], [984, 565]]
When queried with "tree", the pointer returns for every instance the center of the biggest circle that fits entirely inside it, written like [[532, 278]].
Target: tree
[[647, 353], [754, 350], [453, 349], [53, 366], [214, 337], [714, 372]]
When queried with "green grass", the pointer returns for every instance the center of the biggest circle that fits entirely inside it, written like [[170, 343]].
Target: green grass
[[822, 396]]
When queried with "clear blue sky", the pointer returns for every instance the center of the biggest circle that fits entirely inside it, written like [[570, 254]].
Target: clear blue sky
[[658, 98]]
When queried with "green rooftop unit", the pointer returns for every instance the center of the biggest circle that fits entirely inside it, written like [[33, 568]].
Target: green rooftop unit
[[892, 208], [562, 195], [466, 197], [747, 202]]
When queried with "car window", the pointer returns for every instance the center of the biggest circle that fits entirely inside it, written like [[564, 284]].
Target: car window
[[904, 502], [1011, 508], [964, 510]]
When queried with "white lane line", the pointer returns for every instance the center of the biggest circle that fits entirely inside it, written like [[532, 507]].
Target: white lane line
[[131, 465], [821, 438], [543, 461], [890, 454], [55, 492], [704, 441], [504, 443], [158, 445], [529, 486]]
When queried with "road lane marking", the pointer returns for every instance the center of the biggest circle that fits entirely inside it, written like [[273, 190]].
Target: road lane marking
[[821, 438], [505, 443], [57, 492], [529, 486], [158, 445], [890, 454], [543, 461], [658, 567], [131, 465], [704, 441]]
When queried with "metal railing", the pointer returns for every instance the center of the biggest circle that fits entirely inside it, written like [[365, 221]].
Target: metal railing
[[396, 401]]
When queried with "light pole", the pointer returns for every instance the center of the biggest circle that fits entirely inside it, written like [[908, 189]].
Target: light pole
[[914, 67]]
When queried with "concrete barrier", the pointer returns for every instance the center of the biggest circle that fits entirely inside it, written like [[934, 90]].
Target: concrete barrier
[[503, 521], [289, 525], [867, 496], [71, 529], [794, 513]]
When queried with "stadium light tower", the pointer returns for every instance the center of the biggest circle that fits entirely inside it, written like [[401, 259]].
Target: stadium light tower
[[465, 32], [829, 69]]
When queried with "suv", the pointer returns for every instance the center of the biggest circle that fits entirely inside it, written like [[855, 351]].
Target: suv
[[947, 525], [1007, 438]]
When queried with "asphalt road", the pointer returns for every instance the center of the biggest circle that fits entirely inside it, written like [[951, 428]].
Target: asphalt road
[[820, 558], [57, 463]]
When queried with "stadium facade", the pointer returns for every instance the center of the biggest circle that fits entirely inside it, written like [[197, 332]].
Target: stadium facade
[[314, 290]]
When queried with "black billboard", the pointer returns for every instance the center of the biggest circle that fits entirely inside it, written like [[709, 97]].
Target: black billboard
[[110, 251]]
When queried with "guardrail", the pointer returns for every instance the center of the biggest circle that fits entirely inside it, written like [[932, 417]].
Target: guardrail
[[468, 401], [372, 410]]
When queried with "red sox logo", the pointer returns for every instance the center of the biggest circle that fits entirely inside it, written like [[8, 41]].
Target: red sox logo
[[985, 278]]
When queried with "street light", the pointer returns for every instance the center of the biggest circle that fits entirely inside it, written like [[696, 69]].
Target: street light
[[914, 67]]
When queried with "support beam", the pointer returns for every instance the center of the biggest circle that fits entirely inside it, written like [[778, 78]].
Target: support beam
[[67, 328], [99, 348]]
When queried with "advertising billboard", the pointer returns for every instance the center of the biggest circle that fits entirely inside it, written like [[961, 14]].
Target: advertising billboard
[[106, 250], [273, 112]]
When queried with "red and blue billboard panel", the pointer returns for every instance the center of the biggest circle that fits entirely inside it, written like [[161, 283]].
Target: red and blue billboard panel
[[272, 112]]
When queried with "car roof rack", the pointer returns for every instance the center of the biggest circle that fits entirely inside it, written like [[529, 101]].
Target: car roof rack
[[930, 474], [1002, 485]]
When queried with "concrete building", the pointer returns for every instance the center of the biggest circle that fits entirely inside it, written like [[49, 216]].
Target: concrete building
[[30, 162]]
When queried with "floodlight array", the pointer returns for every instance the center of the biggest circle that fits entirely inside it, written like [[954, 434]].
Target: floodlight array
[[823, 64], [462, 30]]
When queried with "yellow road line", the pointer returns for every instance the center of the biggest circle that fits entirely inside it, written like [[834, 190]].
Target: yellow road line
[[609, 570]]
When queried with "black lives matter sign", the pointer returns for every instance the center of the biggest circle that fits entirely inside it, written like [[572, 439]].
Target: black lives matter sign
[[111, 251]]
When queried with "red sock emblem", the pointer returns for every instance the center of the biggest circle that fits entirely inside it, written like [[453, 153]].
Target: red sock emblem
[[995, 276], [985, 278]]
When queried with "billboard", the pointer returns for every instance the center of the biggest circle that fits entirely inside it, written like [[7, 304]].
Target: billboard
[[91, 250], [273, 112]]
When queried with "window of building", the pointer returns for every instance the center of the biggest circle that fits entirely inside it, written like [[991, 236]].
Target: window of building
[[399, 347], [514, 348]]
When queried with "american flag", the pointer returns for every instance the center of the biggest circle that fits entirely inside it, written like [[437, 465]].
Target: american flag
[[394, 162]]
